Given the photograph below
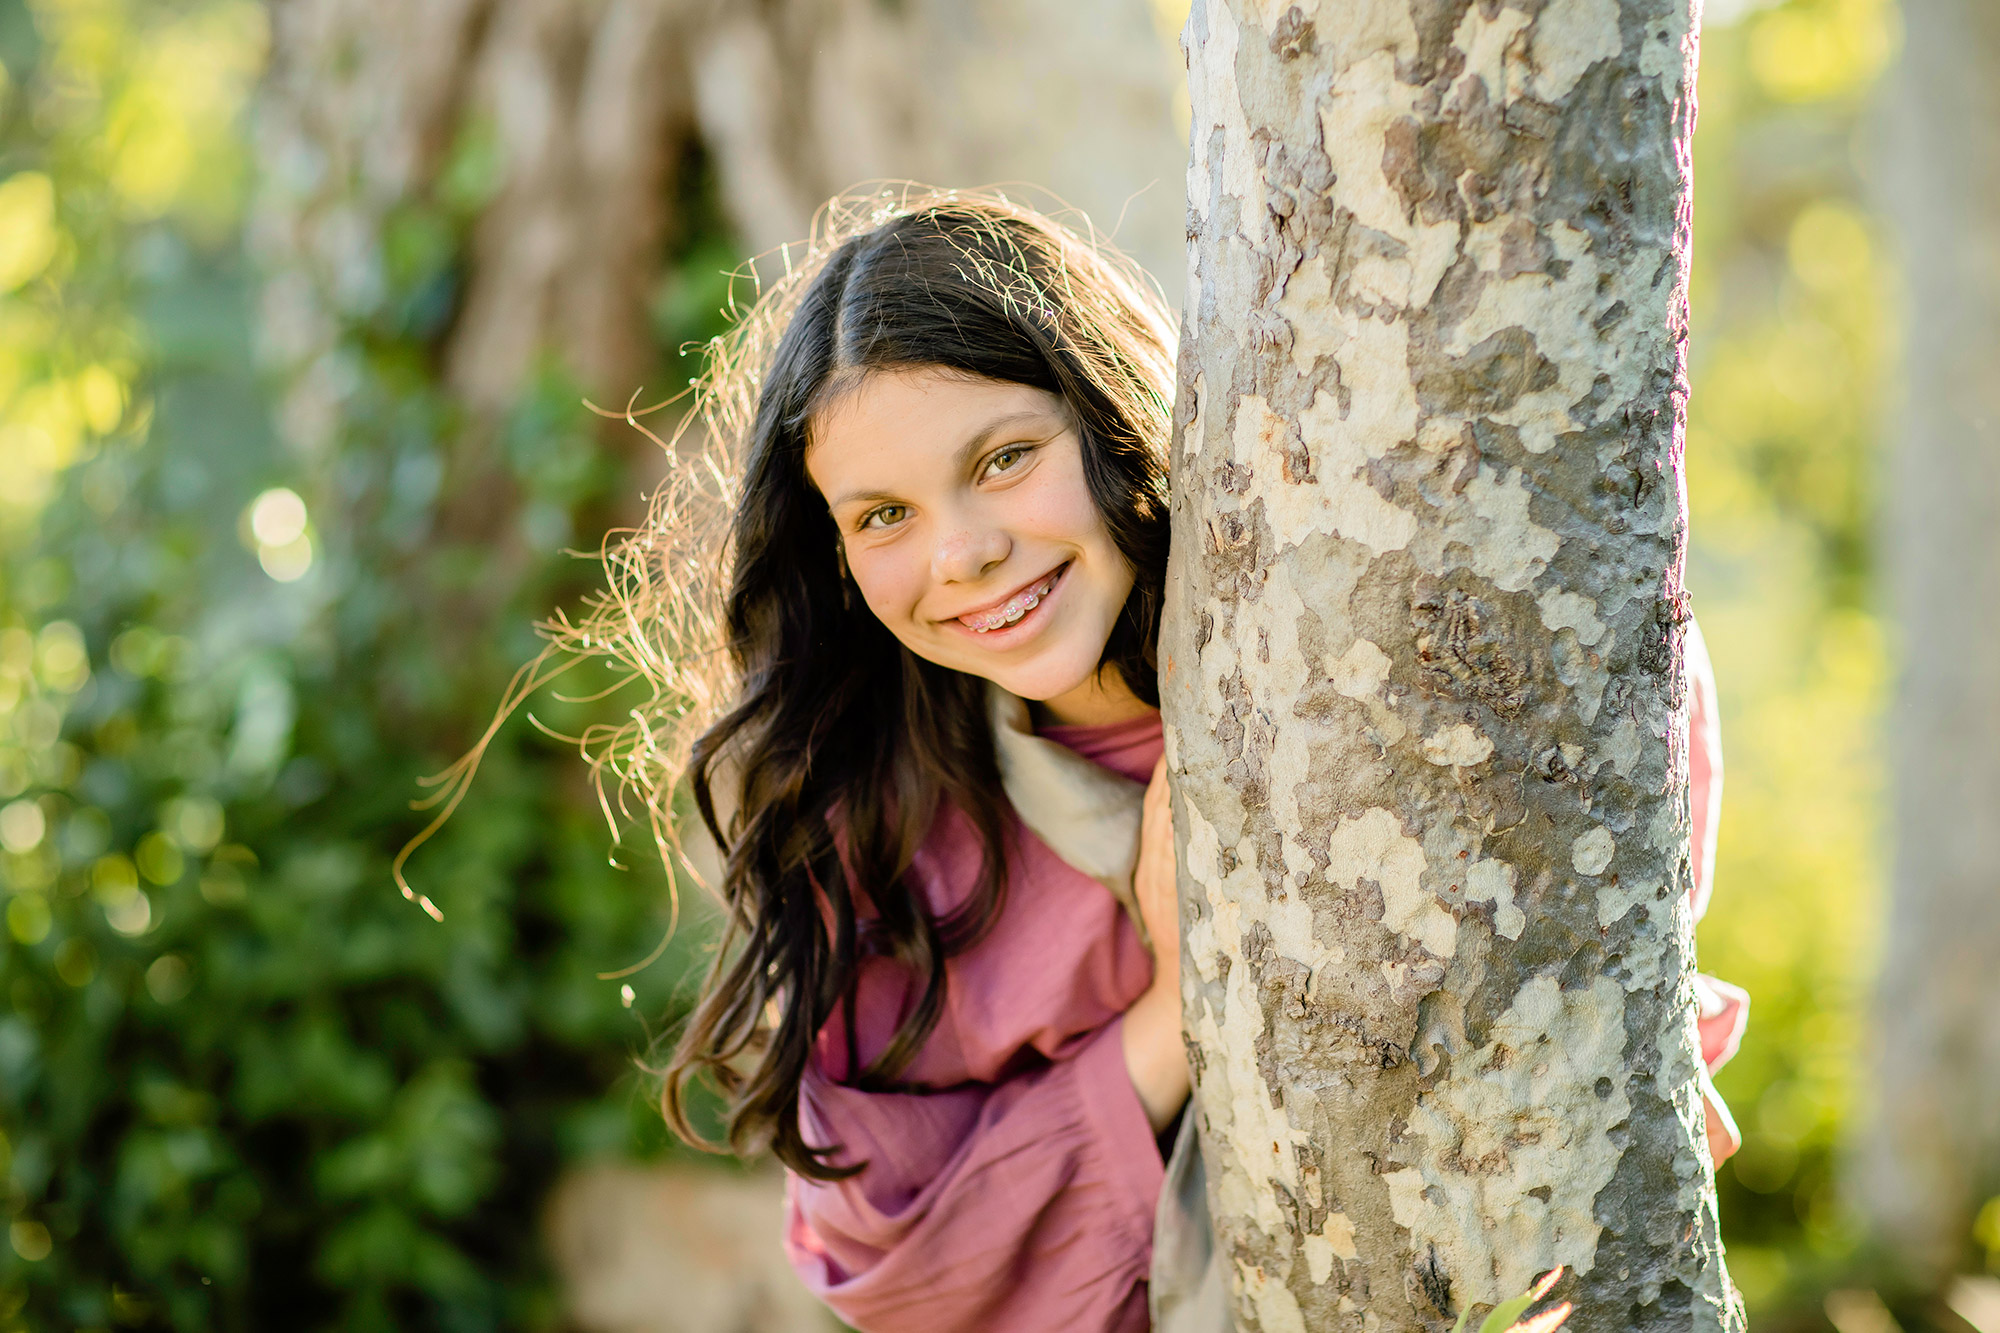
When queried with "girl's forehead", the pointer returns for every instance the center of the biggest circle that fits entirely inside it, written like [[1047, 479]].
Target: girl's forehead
[[918, 414], [923, 391]]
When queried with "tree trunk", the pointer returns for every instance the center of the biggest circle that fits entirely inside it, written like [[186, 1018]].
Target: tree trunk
[[1425, 698], [1932, 1157], [801, 99]]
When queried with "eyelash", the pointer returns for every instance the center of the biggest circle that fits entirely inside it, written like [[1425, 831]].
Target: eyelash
[[1022, 449], [868, 519]]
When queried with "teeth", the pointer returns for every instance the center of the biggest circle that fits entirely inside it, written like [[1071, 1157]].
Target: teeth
[[1009, 614]]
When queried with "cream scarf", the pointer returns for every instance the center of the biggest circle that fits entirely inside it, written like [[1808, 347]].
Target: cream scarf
[[1089, 816]]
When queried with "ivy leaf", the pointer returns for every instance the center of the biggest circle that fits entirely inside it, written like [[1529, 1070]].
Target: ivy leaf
[[1506, 1316]]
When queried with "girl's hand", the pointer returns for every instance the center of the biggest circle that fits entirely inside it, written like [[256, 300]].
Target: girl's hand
[[1155, 1056], [1153, 881], [1723, 1136]]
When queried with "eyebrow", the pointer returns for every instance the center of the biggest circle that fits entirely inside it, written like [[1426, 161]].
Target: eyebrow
[[966, 452]]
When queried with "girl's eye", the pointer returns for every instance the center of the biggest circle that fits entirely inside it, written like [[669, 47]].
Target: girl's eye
[[885, 516], [1007, 459]]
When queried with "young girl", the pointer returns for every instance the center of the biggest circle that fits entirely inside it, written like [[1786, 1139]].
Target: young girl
[[934, 773]]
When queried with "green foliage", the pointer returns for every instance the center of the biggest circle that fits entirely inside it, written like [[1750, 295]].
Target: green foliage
[[243, 1083]]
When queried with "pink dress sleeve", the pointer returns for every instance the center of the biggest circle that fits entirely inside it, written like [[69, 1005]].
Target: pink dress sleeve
[[1723, 1009], [1013, 1207]]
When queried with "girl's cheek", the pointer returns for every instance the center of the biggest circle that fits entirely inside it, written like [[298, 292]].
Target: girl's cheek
[[886, 586], [1060, 505]]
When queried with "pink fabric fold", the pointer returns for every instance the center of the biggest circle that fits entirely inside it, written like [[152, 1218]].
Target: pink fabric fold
[[1019, 1194]]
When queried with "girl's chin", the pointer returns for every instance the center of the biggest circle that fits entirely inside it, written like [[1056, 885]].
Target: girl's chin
[[1044, 682], [1037, 690], [1053, 668]]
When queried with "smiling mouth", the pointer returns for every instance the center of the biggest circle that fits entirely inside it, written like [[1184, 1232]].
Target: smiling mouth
[[1010, 611]]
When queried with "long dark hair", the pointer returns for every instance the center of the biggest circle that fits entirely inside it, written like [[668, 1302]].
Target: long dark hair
[[818, 749], [842, 744]]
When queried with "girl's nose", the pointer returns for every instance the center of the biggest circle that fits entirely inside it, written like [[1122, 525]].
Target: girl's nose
[[964, 555]]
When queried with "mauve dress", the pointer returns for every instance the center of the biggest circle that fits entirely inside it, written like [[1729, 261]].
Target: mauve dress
[[1019, 1196]]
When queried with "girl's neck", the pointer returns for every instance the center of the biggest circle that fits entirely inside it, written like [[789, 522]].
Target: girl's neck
[[1102, 700]]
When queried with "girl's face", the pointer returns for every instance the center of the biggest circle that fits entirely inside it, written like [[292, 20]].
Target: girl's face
[[968, 526]]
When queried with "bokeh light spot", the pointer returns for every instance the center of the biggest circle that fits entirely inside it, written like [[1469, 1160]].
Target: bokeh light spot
[[278, 517], [195, 822], [287, 563], [167, 980], [102, 398], [27, 227], [28, 918], [62, 661], [22, 825], [31, 1241]]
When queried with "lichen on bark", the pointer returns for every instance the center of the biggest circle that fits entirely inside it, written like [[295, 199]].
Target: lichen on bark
[[1422, 660]]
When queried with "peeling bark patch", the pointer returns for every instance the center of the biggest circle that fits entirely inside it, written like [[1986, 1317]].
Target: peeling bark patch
[[1491, 881], [1459, 653], [1334, 1240], [1277, 1309], [1572, 36], [1562, 610], [1344, 504], [1374, 847], [1491, 523], [1457, 747], [1360, 671], [1510, 1153], [1592, 851]]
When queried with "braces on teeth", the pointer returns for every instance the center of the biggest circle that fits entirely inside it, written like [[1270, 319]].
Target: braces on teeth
[[1013, 611]]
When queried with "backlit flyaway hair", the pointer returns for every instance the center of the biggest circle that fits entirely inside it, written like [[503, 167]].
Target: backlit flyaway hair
[[817, 749]]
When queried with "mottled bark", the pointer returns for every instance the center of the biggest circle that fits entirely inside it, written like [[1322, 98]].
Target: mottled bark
[[1425, 700], [1932, 1156]]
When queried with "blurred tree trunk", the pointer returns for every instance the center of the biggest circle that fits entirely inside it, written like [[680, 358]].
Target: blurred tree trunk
[[541, 165], [1932, 1157], [569, 130], [1423, 659], [592, 108], [800, 98]]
